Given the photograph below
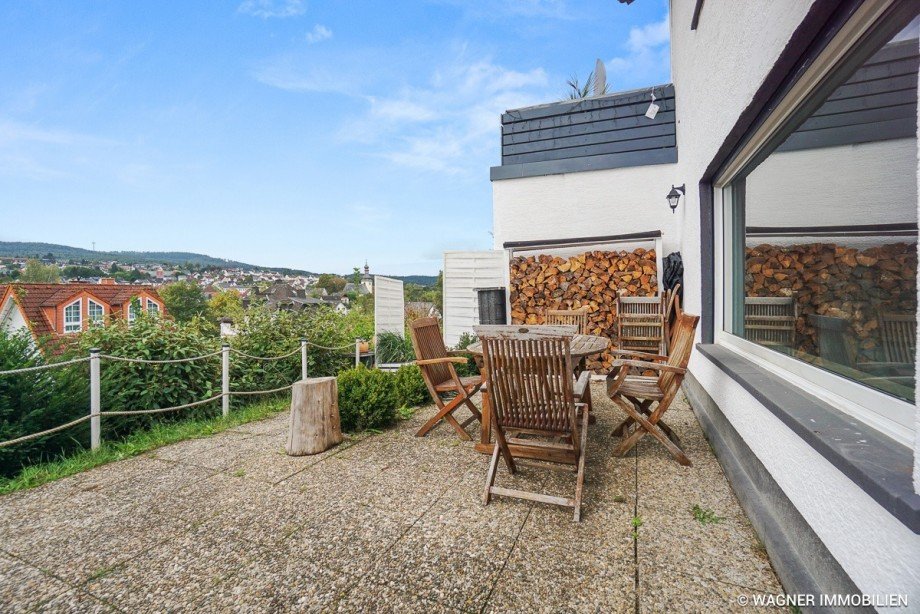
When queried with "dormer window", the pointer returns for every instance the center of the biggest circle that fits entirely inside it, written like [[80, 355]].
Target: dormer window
[[96, 313], [152, 308], [73, 317]]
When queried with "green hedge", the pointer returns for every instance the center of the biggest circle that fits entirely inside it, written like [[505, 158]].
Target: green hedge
[[38, 401], [370, 398]]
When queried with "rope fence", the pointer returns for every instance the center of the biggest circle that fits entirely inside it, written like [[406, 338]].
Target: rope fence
[[52, 365], [95, 358]]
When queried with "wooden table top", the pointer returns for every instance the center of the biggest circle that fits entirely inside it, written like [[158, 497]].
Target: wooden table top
[[582, 345]]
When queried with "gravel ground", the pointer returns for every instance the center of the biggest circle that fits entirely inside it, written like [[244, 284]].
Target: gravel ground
[[381, 523]]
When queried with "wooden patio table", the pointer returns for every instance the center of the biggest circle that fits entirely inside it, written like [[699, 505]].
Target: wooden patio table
[[582, 346]]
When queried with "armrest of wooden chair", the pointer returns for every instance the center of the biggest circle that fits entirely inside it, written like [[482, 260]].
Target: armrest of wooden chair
[[581, 386], [439, 361], [642, 355], [642, 364]]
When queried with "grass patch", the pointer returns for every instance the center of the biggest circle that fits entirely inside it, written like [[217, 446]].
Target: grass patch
[[705, 516], [138, 443], [636, 523]]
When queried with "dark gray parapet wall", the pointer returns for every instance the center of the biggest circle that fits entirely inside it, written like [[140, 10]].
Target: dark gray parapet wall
[[589, 134]]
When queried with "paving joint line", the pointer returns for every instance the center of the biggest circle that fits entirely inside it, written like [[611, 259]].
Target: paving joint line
[[635, 534], [517, 536]]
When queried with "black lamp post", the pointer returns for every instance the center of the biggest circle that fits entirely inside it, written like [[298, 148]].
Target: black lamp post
[[674, 195]]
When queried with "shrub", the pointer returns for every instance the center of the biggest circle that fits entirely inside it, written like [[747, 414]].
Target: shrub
[[131, 386], [410, 387], [470, 368], [36, 401], [393, 348], [367, 399]]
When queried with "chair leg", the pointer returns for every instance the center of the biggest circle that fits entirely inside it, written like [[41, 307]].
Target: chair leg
[[490, 477], [502, 444], [444, 410], [580, 480], [645, 426]]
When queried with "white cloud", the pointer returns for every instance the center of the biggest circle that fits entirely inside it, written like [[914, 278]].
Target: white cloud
[[450, 125], [272, 8], [647, 58], [318, 34], [442, 119]]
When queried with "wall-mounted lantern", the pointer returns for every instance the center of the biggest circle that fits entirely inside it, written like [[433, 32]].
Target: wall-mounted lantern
[[674, 195]]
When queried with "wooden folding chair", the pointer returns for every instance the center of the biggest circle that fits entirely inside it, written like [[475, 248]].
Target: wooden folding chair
[[534, 412], [635, 394], [576, 317], [448, 390], [641, 323]]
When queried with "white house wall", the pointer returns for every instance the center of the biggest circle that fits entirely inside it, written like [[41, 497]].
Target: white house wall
[[11, 318], [389, 306], [463, 272], [586, 204], [716, 70]]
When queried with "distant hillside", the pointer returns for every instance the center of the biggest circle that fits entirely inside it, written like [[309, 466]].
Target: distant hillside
[[10, 249], [422, 280], [17, 249]]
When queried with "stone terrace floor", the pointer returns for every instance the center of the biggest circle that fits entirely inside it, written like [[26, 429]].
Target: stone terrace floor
[[387, 522]]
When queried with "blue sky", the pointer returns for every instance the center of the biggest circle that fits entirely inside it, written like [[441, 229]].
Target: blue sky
[[292, 133]]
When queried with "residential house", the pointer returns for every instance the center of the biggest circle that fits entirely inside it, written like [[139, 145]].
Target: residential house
[[53, 310], [781, 165]]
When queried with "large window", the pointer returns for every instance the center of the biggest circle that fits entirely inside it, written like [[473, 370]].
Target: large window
[[820, 220], [73, 321], [96, 313]]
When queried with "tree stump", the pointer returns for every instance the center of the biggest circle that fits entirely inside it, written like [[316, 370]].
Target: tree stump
[[314, 426]]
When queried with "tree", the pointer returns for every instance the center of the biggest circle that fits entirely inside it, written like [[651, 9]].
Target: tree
[[38, 273], [228, 304], [333, 284], [184, 300], [114, 268], [356, 277], [81, 272]]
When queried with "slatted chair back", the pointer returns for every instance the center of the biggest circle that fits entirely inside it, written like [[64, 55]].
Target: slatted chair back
[[899, 337], [770, 320], [531, 382], [428, 343], [640, 323], [682, 339], [577, 317]]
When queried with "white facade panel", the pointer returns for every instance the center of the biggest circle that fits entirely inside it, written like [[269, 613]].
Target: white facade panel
[[389, 306], [587, 204], [463, 272]]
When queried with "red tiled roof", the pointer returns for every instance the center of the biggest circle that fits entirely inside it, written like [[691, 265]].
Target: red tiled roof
[[32, 297]]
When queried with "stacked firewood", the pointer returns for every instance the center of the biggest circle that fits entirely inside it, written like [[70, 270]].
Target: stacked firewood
[[591, 280], [836, 281]]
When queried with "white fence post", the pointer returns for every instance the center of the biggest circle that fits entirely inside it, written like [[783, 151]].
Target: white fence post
[[357, 352], [303, 358], [95, 401], [225, 378]]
